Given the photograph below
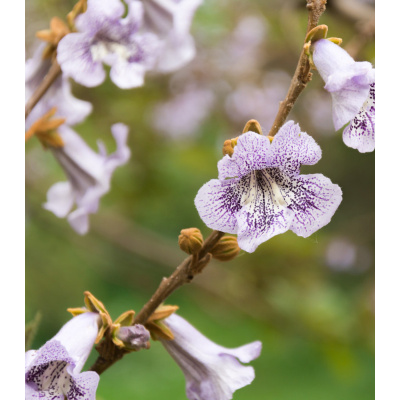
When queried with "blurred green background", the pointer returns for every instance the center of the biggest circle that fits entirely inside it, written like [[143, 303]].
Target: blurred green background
[[310, 301]]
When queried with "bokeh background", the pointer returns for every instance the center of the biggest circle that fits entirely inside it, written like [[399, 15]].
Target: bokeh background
[[310, 301]]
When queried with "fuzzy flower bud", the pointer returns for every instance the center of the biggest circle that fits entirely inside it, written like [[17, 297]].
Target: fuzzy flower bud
[[135, 337], [190, 240], [226, 249]]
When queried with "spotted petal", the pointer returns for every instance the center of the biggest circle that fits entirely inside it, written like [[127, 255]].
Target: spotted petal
[[314, 201], [292, 148], [218, 202], [360, 133], [251, 153], [264, 213]]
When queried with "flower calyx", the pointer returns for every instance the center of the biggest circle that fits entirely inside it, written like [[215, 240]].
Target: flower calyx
[[58, 29], [226, 249], [158, 330], [45, 128], [319, 32], [190, 240], [254, 126]]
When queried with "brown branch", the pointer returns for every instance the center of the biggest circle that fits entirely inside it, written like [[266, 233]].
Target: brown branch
[[302, 74], [48, 80], [184, 273]]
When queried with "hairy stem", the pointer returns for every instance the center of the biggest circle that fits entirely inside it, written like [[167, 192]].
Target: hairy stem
[[184, 273], [52, 75], [302, 74]]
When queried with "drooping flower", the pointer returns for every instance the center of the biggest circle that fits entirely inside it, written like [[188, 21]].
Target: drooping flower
[[105, 37], [58, 95], [170, 20], [88, 174], [260, 192], [54, 371], [352, 86], [212, 372]]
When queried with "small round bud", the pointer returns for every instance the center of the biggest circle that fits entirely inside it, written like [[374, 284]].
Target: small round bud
[[134, 337], [226, 249], [190, 240], [228, 147]]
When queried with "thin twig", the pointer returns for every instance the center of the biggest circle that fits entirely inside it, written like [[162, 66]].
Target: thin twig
[[48, 80], [184, 273], [302, 74]]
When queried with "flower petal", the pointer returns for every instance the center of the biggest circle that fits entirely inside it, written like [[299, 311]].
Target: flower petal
[[218, 202], [315, 200], [127, 75], [292, 148], [79, 220], [360, 133], [60, 199], [75, 59], [98, 14], [251, 153], [84, 386]]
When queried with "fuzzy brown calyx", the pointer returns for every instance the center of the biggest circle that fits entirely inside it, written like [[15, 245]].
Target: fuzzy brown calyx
[[190, 240], [226, 249]]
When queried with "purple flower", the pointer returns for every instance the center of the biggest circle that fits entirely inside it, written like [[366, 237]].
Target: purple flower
[[53, 371], [105, 37], [352, 86], [260, 192], [171, 21], [58, 95], [360, 133], [88, 173], [212, 372]]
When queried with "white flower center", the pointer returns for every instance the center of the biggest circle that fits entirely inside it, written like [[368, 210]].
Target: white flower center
[[101, 50]]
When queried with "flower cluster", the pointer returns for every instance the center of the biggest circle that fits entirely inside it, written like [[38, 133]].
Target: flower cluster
[[154, 35]]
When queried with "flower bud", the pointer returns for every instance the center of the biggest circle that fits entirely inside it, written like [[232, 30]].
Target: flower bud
[[135, 337], [190, 240], [252, 125], [226, 249]]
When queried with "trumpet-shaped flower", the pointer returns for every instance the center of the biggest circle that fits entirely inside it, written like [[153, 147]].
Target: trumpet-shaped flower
[[105, 37], [170, 20], [260, 192], [58, 95], [212, 372], [88, 174], [54, 371], [352, 86]]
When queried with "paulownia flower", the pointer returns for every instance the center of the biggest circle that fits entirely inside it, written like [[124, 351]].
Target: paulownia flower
[[170, 20], [88, 174], [105, 37], [352, 86], [260, 192], [54, 371], [212, 372], [58, 95]]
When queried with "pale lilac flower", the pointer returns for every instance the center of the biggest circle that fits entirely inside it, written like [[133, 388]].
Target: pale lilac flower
[[260, 192], [352, 86], [54, 371], [88, 174], [212, 372], [105, 37], [360, 133], [183, 114], [170, 20], [58, 95]]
